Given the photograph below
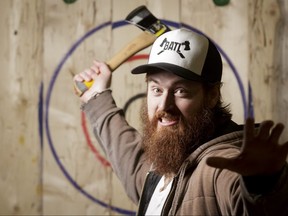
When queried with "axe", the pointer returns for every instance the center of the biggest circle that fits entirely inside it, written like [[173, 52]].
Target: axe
[[152, 28]]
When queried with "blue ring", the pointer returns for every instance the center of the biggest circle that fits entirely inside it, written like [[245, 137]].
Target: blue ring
[[49, 92], [53, 80]]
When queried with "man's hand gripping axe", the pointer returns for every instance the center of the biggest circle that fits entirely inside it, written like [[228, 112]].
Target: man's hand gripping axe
[[152, 28]]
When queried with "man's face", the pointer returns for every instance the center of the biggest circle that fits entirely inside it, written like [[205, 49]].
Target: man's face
[[174, 95], [175, 120]]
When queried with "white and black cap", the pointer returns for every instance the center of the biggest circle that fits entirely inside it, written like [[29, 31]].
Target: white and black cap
[[185, 53]]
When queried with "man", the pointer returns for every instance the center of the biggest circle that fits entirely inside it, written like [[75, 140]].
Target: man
[[192, 158]]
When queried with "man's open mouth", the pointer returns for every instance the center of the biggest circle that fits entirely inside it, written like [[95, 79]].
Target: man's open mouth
[[167, 121]]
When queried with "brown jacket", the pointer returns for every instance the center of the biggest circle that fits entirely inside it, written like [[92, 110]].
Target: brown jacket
[[197, 189]]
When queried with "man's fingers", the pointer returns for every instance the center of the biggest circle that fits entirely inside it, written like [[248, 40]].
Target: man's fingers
[[86, 75], [78, 78], [276, 133], [285, 147], [220, 162], [249, 129], [264, 130]]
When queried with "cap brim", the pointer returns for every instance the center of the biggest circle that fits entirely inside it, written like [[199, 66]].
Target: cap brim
[[179, 71]]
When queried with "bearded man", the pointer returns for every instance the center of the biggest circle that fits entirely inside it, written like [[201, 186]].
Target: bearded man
[[192, 159]]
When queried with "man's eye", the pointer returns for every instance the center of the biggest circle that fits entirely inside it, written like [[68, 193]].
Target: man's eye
[[180, 92], [156, 90]]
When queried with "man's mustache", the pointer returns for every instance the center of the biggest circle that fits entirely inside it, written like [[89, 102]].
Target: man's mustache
[[164, 114]]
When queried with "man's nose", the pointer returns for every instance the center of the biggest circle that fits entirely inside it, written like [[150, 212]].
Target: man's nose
[[167, 102]]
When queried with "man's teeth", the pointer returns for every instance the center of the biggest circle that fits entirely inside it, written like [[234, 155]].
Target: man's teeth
[[165, 120]]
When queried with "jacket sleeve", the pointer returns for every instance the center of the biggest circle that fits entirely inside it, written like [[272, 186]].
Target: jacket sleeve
[[271, 200], [120, 142]]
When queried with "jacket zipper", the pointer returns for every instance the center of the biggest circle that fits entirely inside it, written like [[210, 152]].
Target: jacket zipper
[[143, 188], [172, 190]]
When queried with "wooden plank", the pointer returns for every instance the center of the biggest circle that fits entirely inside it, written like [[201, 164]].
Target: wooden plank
[[263, 18], [65, 25], [227, 27], [267, 63], [280, 113], [21, 65]]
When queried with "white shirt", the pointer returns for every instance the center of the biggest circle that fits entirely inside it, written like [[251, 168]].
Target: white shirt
[[158, 198]]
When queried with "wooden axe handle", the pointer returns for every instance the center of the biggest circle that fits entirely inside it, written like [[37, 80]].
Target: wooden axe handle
[[139, 43]]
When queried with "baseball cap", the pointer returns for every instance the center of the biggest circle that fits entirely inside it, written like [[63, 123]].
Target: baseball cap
[[185, 53]]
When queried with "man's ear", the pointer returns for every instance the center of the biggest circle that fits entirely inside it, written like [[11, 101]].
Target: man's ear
[[213, 96]]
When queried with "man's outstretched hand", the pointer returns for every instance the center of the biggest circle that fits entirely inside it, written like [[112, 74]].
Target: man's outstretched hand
[[261, 153]]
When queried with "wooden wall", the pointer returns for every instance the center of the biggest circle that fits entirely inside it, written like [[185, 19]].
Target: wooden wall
[[50, 162]]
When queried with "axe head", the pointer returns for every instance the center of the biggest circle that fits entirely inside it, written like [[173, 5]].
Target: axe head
[[146, 21]]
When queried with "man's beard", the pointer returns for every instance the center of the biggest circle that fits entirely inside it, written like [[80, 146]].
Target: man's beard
[[168, 147]]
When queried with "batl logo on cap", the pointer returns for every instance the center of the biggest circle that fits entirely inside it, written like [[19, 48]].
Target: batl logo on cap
[[185, 53], [174, 46]]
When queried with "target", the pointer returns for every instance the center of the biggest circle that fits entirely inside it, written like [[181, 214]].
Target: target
[[103, 161]]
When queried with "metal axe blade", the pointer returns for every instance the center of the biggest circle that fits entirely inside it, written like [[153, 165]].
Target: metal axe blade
[[146, 21]]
